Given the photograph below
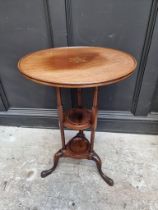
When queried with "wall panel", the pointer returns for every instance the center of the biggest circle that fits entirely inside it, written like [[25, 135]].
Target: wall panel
[[132, 26], [118, 24]]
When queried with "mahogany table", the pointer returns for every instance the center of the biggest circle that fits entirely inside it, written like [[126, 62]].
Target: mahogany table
[[77, 67]]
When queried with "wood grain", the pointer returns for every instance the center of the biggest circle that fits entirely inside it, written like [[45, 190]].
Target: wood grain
[[77, 67]]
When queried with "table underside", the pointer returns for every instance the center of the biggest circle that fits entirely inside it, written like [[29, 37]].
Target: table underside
[[79, 147]]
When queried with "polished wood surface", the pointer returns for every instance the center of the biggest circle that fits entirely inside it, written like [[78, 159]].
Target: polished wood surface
[[77, 66]]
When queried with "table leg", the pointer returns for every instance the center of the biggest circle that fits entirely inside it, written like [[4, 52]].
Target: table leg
[[93, 155], [79, 103], [94, 117], [61, 126], [58, 155], [97, 159], [61, 116]]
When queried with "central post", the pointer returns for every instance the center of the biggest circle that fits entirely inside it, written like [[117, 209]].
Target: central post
[[79, 146]]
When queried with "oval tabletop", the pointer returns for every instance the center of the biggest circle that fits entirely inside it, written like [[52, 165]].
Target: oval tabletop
[[77, 66]]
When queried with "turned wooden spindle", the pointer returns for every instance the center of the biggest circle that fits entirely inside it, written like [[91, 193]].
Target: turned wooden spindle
[[61, 115], [94, 117]]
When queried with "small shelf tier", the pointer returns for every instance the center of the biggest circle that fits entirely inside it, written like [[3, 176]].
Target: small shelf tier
[[78, 119]]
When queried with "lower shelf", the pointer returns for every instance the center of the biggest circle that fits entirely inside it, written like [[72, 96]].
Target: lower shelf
[[78, 146]]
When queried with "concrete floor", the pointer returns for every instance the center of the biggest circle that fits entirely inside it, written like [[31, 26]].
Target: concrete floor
[[131, 160]]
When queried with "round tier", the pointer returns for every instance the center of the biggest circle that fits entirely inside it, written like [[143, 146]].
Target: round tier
[[79, 145], [77, 67], [78, 119]]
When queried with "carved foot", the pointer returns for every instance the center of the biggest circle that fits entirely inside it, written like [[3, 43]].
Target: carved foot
[[97, 159], [58, 155]]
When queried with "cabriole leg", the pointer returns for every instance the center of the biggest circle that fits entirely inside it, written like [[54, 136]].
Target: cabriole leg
[[58, 155], [97, 159]]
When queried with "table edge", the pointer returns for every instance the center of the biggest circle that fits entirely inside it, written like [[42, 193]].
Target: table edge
[[53, 84], [74, 85]]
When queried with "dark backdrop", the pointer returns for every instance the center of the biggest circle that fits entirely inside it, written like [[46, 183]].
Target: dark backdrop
[[132, 26]]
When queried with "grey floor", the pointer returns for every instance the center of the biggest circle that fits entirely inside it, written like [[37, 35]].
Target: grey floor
[[131, 160]]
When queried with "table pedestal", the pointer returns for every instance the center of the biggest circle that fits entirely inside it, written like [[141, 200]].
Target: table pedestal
[[78, 147]]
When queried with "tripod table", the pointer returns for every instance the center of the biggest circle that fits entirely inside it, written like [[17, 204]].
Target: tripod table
[[77, 67]]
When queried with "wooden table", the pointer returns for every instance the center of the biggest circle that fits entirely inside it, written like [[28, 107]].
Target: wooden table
[[77, 67]]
